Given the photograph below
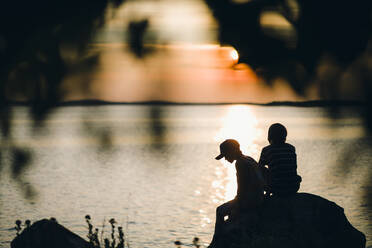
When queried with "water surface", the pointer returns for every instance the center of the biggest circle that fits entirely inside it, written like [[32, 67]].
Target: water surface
[[152, 168]]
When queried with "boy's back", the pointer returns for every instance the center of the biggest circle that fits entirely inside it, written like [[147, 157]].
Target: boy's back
[[281, 160]]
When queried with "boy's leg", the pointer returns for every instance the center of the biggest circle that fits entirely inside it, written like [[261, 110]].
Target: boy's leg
[[221, 211]]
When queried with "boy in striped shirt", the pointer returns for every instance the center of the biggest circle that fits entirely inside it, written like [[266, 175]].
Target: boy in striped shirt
[[281, 160]]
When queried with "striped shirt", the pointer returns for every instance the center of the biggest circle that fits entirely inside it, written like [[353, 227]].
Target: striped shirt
[[281, 160]]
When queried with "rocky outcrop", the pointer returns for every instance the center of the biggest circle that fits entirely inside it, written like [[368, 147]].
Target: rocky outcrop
[[46, 234], [300, 221]]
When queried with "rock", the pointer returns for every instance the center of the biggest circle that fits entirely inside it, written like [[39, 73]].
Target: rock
[[302, 221], [46, 234]]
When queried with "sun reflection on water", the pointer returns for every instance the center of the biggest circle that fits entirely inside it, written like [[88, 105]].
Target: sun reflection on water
[[239, 123]]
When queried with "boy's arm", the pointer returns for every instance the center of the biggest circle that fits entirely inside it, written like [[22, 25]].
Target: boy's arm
[[264, 170], [262, 163], [262, 160]]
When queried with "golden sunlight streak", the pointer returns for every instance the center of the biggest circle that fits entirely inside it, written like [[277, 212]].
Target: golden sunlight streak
[[241, 124]]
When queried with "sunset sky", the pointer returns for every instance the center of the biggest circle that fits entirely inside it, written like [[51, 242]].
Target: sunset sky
[[186, 63]]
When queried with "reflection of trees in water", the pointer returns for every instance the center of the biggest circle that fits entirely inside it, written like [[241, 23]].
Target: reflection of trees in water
[[308, 43], [158, 128]]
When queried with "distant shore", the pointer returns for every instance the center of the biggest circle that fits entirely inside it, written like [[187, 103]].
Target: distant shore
[[314, 103]]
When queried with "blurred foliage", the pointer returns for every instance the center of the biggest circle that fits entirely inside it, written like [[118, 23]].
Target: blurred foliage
[[300, 40], [41, 43], [306, 42], [137, 31]]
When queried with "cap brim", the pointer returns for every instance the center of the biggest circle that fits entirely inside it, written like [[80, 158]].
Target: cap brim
[[219, 156]]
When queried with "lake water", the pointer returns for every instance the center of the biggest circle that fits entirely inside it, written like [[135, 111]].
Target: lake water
[[152, 168]]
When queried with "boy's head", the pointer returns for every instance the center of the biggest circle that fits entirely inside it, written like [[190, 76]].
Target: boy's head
[[230, 150], [277, 134]]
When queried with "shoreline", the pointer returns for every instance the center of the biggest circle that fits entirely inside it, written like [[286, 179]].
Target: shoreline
[[313, 103]]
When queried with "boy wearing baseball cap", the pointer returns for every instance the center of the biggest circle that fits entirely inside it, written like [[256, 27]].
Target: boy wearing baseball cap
[[249, 178], [250, 192]]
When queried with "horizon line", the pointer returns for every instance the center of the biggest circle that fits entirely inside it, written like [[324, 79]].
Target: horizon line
[[96, 102]]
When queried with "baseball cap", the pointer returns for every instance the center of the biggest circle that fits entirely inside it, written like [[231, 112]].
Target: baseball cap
[[227, 146]]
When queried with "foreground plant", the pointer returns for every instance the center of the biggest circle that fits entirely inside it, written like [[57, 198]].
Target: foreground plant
[[195, 243], [18, 226], [93, 236]]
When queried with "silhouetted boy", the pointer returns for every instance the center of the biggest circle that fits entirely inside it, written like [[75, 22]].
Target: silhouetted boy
[[281, 160], [250, 181], [250, 187]]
